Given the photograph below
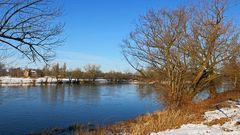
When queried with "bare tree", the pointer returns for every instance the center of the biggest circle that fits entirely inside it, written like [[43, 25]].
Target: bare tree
[[46, 71], [117, 77], [3, 70], [92, 72], [29, 27], [186, 47], [64, 70], [56, 72], [76, 74]]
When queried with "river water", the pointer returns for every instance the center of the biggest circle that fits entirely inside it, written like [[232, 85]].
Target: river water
[[26, 109]]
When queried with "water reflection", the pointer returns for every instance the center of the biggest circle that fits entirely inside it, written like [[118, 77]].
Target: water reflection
[[33, 108], [54, 94], [145, 91]]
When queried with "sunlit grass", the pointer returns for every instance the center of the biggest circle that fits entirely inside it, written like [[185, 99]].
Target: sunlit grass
[[168, 119]]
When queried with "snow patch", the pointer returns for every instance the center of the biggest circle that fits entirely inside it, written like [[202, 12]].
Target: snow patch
[[231, 127], [7, 80]]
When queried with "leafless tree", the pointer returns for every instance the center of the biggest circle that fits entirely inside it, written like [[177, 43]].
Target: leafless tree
[[92, 72], [76, 74], [3, 71], [29, 26], [186, 47], [116, 77]]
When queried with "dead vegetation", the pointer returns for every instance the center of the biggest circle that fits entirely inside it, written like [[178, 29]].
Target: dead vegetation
[[148, 123], [220, 121], [170, 118]]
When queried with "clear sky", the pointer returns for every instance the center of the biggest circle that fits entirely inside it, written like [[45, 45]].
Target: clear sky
[[95, 28]]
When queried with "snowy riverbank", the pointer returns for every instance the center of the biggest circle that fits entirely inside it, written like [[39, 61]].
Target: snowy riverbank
[[231, 126], [6, 80], [15, 80]]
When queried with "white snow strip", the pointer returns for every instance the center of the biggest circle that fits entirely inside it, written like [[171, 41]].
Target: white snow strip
[[229, 128], [7, 80]]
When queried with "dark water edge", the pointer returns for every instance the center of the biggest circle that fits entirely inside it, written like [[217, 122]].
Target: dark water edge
[[31, 109], [206, 93]]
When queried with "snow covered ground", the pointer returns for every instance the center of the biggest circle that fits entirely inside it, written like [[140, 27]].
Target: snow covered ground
[[231, 127], [15, 80], [6, 80]]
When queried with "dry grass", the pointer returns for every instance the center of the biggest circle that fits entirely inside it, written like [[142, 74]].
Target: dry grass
[[161, 121], [220, 121], [227, 129], [148, 123], [169, 119]]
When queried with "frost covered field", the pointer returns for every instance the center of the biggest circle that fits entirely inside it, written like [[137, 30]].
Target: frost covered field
[[229, 127]]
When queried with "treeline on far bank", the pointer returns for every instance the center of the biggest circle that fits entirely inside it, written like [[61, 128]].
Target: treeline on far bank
[[89, 73]]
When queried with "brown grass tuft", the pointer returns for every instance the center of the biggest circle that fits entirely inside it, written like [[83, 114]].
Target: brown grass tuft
[[237, 123], [162, 121], [227, 129], [155, 122], [220, 121]]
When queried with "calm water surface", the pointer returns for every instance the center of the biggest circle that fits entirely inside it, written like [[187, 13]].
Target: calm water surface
[[25, 109]]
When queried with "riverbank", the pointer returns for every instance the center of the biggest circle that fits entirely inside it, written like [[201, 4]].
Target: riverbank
[[224, 121], [12, 81], [219, 115]]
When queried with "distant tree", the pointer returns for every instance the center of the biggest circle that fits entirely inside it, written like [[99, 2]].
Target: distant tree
[[114, 76], [64, 70], [56, 71], [29, 27], [77, 73], [110, 76], [39, 72], [3, 70], [46, 70], [92, 72]]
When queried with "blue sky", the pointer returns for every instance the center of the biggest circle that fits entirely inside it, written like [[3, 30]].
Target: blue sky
[[95, 29]]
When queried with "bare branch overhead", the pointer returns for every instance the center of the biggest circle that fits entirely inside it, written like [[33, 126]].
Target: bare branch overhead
[[30, 28]]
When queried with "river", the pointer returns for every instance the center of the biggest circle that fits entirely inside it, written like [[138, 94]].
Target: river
[[26, 109]]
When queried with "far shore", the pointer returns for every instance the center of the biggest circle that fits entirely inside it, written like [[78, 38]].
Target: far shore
[[16, 81]]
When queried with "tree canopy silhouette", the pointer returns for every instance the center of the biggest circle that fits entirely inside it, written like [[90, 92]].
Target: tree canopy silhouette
[[29, 27]]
